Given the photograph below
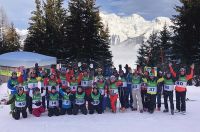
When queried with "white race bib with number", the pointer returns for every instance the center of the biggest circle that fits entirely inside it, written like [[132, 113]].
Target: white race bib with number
[[102, 91], [20, 104], [152, 90], [181, 84], [124, 84], [32, 85], [168, 87], [80, 101], [53, 103], [85, 83], [135, 86], [66, 102], [113, 91], [73, 88], [96, 102], [64, 82]]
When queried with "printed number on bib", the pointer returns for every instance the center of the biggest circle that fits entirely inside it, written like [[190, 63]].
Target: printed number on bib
[[113, 91], [168, 87], [80, 101], [151, 89], [180, 83], [20, 104], [85, 83], [66, 102], [73, 88], [53, 103], [95, 102]]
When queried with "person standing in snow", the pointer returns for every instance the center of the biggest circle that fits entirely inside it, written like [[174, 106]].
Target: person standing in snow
[[36, 97], [152, 91], [160, 86], [144, 90], [53, 98], [181, 86], [79, 100], [136, 91], [129, 84], [95, 101], [113, 92], [20, 103], [86, 82], [168, 92], [123, 91], [12, 86]]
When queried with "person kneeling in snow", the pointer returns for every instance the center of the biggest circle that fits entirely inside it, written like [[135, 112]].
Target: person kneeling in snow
[[53, 102], [79, 100], [20, 104], [36, 96], [66, 101], [95, 102]]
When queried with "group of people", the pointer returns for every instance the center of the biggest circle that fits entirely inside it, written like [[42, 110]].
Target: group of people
[[88, 90]]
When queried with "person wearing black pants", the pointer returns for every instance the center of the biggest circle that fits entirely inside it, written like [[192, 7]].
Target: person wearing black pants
[[95, 102], [151, 102], [123, 91], [53, 108], [20, 100], [79, 100], [168, 92], [180, 101], [160, 86]]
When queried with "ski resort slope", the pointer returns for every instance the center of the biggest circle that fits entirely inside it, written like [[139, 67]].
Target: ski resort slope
[[108, 122]]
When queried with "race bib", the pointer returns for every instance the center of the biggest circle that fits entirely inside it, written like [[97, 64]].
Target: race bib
[[66, 102], [73, 88], [113, 91], [95, 102], [102, 91], [20, 104], [53, 103], [32, 85], [135, 86], [181, 84], [64, 82], [85, 83], [124, 84], [80, 101], [152, 90], [168, 87], [25, 88]]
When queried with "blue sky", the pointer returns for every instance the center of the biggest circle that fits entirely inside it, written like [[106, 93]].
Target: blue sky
[[19, 11]]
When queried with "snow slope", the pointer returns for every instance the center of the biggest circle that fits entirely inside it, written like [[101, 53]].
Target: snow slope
[[108, 122]]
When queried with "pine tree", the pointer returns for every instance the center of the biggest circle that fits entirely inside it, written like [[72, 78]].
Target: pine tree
[[142, 55], [11, 39], [35, 41], [186, 40], [165, 46], [88, 39], [153, 50]]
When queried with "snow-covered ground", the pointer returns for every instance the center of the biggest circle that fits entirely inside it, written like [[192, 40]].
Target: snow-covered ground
[[108, 122]]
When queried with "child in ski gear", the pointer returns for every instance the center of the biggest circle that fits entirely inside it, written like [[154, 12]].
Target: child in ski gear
[[53, 102], [160, 86], [144, 91], [95, 102], [86, 83], [168, 92], [123, 91], [73, 84], [113, 92], [36, 97], [12, 86], [79, 100], [32, 84], [100, 83], [136, 92], [180, 86], [62, 78], [20, 104], [66, 101], [129, 84]]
